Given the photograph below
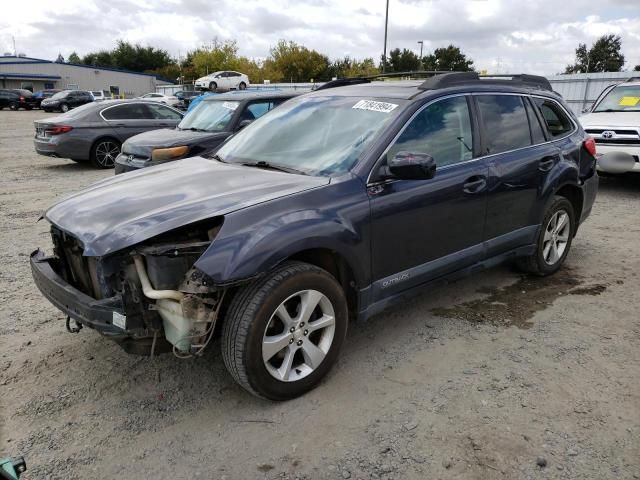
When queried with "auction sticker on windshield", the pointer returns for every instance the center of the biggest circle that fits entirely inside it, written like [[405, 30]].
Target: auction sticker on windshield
[[374, 106], [230, 105], [629, 101]]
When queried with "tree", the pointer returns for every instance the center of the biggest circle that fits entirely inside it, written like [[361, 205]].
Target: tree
[[130, 57], [448, 58], [60, 58], [603, 56], [103, 57], [218, 56], [636, 68], [349, 67], [402, 61], [297, 63], [74, 58]]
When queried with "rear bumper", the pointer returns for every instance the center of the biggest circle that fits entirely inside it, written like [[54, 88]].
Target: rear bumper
[[589, 192], [618, 158], [92, 313]]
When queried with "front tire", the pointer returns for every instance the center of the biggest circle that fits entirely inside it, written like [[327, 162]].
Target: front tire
[[13, 106], [213, 86], [64, 108], [554, 239], [283, 332], [104, 153], [242, 86]]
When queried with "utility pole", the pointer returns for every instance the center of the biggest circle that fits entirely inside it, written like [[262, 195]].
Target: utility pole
[[421, 42], [15, 52], [384, 54]]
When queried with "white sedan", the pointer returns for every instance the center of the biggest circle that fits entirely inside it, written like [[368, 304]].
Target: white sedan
[[159, 97], [226, 80]]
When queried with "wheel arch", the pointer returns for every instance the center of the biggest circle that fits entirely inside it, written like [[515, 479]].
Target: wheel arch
[[575, 195]]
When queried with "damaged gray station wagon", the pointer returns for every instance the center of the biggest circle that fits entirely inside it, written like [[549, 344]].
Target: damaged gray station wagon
[[334, 206]]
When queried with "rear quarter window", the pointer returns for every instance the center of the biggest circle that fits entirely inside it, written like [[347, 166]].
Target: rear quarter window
[[556, 120]]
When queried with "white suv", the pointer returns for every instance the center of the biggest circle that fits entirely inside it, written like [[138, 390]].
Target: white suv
[[614, 123], [226, 80]]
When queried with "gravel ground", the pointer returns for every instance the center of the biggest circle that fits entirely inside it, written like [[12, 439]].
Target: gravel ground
[[497, 376]]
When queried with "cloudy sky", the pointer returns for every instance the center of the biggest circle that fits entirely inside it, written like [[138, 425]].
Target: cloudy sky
[[502, 36]]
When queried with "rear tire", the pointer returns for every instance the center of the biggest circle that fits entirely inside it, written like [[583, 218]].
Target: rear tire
[[554, 239], [283, 332], [13, 106], [64, 108], [104, 153]]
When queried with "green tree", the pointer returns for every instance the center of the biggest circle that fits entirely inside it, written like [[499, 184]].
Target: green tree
[[402, 61], [60, 58], [603, 56], [297, 63], [74, 58], [218, 56], [448, 58], [103, 57], [130, 57], [636, 68], [349, 67]]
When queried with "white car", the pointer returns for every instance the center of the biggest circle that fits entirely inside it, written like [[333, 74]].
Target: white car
[[99, 95], [226, 80], [159, 97], [614, 123]]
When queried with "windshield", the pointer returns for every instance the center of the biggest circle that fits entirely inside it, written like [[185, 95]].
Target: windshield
[[316, 135], [209, 116], [60, 94], [621, 99]]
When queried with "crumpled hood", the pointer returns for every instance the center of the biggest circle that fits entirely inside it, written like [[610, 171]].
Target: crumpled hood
[[610, 119], [126, 209], [142, 144]]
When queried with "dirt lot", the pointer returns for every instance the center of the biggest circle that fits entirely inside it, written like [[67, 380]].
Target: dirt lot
[[497, 376]]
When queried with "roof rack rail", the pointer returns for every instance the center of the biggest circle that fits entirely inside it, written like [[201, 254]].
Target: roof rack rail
[[633, 79], [341, 82], [451, 79]]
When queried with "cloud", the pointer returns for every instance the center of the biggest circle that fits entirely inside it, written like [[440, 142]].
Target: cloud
[[500, 35]]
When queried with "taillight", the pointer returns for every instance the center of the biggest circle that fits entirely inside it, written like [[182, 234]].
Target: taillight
[[22, 99], [590, 146], [58, 129]]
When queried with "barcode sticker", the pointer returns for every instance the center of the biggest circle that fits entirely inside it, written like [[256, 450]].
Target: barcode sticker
[[374, 106]]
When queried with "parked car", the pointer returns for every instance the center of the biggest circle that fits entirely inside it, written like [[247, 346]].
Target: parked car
[[42, 94], [15, 99], [227, 80], [338, 204], [159, 97], [203, 129], [185, 98], [66, 100], [614, 123], [99, 95], [95, 131]]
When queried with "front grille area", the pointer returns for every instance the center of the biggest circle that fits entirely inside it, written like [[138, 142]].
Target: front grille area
[[76, 267], [622, 136]]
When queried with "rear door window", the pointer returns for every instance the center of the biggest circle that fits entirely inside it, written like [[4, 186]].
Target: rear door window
[[505, 122], [134, 111], [556, 120], [160, 112]]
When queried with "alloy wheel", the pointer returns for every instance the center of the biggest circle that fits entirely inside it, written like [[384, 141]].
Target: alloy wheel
[[556, 237], [106, 153], [298, 335]]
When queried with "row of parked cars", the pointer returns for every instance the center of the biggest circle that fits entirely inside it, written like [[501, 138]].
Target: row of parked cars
[[300, 214]]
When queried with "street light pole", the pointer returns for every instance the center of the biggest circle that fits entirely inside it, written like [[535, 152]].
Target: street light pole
[[421, 42], [384, 54]]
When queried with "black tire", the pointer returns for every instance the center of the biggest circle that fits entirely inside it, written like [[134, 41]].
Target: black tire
[[13, 106], [64, 108], [242, 86], [250, 313], [28, 107], [99, 156], [213, 86], [536, 263]]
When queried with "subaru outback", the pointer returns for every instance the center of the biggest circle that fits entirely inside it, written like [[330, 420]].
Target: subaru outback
[[335, 206]]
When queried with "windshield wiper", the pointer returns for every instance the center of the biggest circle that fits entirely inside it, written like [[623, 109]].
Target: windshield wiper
[[271, 166], [609, 110], [217, 157], [193, 129]]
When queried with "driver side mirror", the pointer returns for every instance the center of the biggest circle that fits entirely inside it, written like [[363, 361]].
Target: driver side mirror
[[243, 124], [411, 166]]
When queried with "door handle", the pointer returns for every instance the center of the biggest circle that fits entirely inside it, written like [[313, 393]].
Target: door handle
[[475, 184], [547, 163]]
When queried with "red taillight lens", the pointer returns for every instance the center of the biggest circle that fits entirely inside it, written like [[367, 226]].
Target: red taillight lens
[[22, 99], [58, 129], [590, 146]]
